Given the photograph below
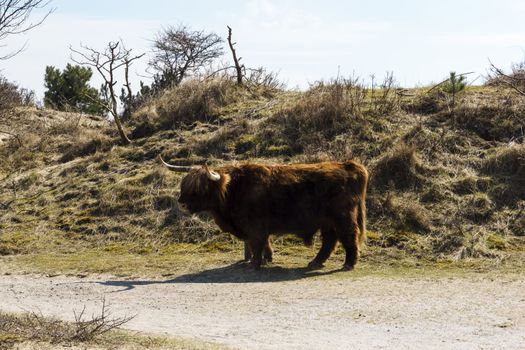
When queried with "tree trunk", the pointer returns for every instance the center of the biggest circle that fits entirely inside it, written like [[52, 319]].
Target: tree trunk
[[124, 138], [236, 60]]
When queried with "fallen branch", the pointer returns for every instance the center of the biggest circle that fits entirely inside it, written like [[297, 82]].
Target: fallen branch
[[16, 136], [88, 329]]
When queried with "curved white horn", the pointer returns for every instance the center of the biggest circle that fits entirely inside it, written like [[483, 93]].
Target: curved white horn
[[213, 175], [178, 168]]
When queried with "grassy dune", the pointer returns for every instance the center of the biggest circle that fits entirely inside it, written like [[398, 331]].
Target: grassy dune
[[447, 185]]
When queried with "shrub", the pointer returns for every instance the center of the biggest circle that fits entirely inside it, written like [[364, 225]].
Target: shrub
[[469, 183], [124, 197], [386, 99], [507, 169], [36, 328], [507, 161], [85, 147], [496, 242], [425, 103], [501, 123], [514, 79], [407, 214], [11, 95], [477, 207], [397, 169], [319, 115], [194, 101]]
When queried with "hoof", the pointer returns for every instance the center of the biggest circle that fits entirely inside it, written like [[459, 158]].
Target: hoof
[[315, 265], [268, 259], [254, 266], [347, 267]]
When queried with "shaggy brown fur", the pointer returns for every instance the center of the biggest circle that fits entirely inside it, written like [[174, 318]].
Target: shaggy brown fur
[[252, 201]]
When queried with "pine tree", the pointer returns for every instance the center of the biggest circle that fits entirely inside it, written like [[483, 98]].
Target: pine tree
[[453, 86], [69, 90]]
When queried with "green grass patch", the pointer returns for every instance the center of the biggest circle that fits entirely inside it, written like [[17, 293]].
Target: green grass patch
[[221, 260]]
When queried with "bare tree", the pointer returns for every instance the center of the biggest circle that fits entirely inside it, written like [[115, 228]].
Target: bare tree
[[107, 62], [238, 67], [245, 76], [179, 52], [14, 19]]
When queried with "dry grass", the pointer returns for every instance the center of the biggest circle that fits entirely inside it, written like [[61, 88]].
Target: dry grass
[[506, 166], [397, 169], [40, 137], [316, 117], [192, 101], [35, 327], [507, 161], [426, 102]]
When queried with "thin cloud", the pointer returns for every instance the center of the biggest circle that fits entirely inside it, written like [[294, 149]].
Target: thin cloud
[[501, 39]]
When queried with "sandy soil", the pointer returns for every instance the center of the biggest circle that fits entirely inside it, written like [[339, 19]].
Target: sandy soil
[[288, 311]]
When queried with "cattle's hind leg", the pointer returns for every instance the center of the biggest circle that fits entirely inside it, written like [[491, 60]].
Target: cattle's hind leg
[[247, 251], [347, 233], [329, 240], [268, 251]]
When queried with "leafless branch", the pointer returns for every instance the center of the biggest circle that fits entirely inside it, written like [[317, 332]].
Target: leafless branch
[[17, 137], [515, 81], [215, 72], [86, 329], [14, 19], [34, 327]]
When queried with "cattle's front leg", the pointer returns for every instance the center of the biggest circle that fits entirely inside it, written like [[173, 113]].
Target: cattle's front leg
[[268, 252], [257, 246]]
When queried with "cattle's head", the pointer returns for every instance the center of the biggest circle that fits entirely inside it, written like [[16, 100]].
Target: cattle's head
[[201, 189]]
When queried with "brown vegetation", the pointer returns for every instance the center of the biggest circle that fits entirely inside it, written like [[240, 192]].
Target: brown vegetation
[[34, 327]]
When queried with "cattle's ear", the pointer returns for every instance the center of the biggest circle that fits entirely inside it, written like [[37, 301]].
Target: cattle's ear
[[212, 175]]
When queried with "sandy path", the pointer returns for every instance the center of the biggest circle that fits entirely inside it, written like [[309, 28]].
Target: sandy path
[[295, 313]]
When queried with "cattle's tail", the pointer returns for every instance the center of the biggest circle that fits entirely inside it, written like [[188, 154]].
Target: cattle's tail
[[362, 183], [361, 221]]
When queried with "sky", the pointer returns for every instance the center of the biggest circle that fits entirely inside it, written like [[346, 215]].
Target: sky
[[303, 41]]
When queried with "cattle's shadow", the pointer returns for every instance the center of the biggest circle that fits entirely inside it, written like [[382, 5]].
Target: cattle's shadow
[[235, 273]]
